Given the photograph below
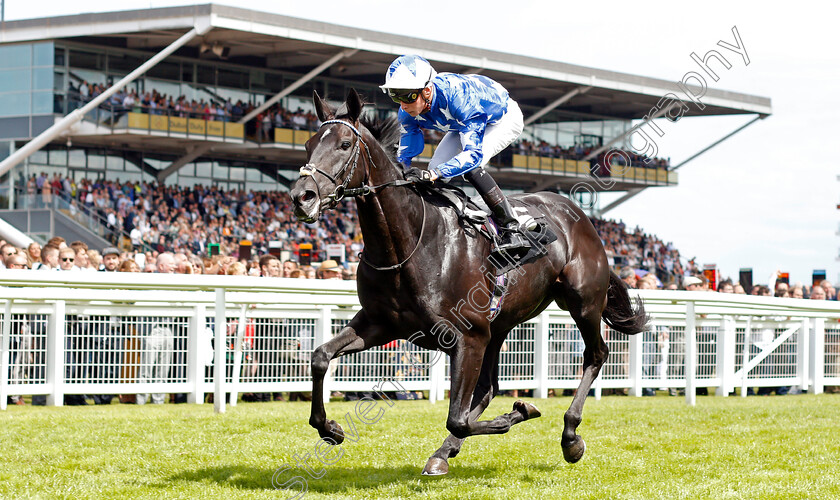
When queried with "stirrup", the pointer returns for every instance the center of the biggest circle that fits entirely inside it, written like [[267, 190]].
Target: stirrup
[[513, 244]]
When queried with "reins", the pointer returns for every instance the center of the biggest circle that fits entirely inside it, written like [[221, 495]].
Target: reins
[[341, 191]]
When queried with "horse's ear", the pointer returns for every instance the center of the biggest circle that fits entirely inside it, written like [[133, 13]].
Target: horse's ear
[[322, 109], [354, 105]]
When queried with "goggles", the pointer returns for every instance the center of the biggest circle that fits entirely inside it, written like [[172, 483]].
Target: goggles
[[406, 96]]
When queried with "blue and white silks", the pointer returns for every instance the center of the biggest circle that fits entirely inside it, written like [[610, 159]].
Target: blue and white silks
[[464, 104]]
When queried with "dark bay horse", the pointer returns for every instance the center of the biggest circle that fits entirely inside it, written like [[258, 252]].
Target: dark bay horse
[[421, 269]]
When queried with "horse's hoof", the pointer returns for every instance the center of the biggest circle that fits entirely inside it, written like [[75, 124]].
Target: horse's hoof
[[436, 467], [574, 452], [526, 409], [334, 432]]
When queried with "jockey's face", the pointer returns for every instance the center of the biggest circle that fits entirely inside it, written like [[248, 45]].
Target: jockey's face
[[419, 105]]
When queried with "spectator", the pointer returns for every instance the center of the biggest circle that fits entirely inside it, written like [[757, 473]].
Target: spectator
[[309, 272], [830, 292], [94, 260], [67, 259], [628, 276], [817, 293], [58, 242], [329, 270], [197, 265], [81, 258], [6, 251], [288, 267], [236, 269], [110, 260], [297, 274], [156, 357], [270, 266], [648, 282], [693, 284], [49, 256], [34, 252], [166, 263], [16, 261], [129, 266]]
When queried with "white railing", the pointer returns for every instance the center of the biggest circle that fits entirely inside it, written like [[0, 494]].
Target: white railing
[[124, 333]]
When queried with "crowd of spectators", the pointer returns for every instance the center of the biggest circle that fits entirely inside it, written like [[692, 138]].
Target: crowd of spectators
[[151, 217], [644, 252], [642, 280], [57, 255], [261, 128], [579, 152]]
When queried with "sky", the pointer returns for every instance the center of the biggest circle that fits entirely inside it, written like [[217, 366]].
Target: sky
[[764, 199]]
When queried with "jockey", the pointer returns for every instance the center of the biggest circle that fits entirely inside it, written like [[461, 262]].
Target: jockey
[[479, 119]]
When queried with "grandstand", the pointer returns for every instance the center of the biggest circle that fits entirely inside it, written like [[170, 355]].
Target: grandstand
[[222, 98]]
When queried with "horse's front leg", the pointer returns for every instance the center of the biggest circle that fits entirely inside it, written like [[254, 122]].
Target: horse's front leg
[[359, 335]]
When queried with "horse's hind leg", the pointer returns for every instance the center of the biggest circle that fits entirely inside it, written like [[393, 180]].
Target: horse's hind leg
[[359, 335], [588, 319]]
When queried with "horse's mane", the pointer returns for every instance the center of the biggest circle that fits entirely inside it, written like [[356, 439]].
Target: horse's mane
[[386, 131]]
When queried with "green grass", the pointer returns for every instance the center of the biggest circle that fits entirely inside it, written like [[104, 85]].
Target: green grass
[[758, 447]]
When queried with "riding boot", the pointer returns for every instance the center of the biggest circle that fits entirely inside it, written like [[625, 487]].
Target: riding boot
[[512, 241]]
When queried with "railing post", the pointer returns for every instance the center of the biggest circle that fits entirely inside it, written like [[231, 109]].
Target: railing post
[[541, 355], [690, 354], [5, 354], [803, 355], [323, 333], [55, 354], [437, 375], [745, 356], [441, 388], [219, 368], [195, 363], [817, 357], [635, 351], [726, 356], [237, 356]]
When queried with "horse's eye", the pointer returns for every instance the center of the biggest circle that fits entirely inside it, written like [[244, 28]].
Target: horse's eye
[[345, 145]]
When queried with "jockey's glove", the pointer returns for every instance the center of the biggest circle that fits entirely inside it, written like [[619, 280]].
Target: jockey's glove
[[415, 174]]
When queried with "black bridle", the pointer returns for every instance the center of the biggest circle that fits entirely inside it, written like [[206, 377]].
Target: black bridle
[[341, 190]]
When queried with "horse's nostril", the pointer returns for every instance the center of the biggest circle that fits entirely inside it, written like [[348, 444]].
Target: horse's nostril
[[308, 196]]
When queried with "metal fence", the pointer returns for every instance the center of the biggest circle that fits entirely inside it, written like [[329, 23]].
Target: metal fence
[[157, 335]]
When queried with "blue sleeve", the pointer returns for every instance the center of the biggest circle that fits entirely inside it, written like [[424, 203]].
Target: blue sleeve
[[471, 156], [411, 139]]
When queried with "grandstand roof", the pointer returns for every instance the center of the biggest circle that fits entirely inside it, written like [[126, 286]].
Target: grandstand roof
[[259, 39]]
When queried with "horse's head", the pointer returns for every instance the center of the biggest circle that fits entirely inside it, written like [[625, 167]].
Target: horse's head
[[332, 157]]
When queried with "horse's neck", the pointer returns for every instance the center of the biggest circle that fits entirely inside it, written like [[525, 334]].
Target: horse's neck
[[389, 219]]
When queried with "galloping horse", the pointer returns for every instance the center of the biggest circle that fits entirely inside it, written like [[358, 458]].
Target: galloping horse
[[419, 265]]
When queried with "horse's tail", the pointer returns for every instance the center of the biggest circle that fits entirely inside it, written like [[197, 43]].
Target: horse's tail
[[620, 313]]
